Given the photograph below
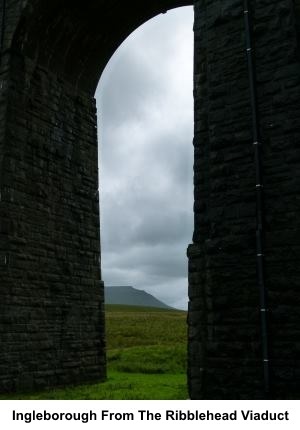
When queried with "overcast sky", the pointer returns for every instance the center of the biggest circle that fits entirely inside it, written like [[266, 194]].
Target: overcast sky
[[145, 121]]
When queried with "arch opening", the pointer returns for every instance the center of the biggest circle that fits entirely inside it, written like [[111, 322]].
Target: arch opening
[[145, 123], [145, 118]]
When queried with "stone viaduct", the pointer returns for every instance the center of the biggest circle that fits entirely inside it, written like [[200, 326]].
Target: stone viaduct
[[244, 265]]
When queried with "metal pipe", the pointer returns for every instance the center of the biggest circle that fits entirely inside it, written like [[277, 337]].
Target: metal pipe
[[259, 203]]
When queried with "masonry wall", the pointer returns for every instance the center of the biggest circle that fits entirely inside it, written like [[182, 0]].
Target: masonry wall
[[51, 306], [224, 322], [278, 78], [225, 351]]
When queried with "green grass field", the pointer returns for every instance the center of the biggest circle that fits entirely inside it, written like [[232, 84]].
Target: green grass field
[[146, 356]]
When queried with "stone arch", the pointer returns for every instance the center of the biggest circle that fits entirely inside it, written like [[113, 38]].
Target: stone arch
[[53, 54], [51, 304], [76, 40]]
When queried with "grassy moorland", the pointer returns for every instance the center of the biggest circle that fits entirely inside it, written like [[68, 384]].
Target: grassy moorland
[[146, 355]]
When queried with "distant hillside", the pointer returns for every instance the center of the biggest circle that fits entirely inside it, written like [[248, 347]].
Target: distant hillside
[[131, 296]]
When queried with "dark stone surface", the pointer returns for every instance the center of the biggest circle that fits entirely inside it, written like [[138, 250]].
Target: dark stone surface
[[225, 351], [51, 293]]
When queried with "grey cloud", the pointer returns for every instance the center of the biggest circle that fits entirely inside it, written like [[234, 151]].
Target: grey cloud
[[146, 160], [133, 79], [153, 222], [160, 270], [163, 229]]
